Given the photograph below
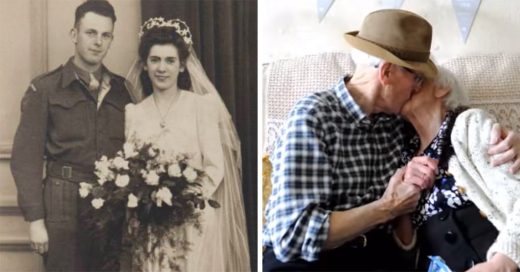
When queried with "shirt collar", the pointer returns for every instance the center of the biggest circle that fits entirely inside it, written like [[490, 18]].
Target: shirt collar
[[71, 72], [347, 101]]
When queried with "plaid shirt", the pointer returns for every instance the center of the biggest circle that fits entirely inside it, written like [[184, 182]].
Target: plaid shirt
[[330, 156]]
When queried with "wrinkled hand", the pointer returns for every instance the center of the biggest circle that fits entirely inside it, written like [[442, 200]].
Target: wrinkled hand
[[401, 197], [498, 263], [421, 172], [504, 147], [38, 236]]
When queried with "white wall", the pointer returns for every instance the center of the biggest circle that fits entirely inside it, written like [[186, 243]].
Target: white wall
[[290, 28]]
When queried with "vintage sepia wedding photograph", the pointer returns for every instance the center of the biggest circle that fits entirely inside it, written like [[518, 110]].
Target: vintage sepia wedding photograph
[[128, 137]]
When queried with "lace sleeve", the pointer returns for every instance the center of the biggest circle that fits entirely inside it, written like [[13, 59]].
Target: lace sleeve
[[492, 189], [210, 144]]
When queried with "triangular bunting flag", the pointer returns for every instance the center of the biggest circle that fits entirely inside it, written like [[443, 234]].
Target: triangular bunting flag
[[390, 4], [465, 10], [323, 8]]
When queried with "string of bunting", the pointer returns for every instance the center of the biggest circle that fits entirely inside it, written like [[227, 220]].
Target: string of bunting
[[465, 11]]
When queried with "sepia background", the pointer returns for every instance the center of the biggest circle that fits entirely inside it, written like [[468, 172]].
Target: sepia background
[[36, 40]]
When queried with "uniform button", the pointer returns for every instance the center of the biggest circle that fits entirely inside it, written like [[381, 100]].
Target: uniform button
[[57, 182], [450, 237]]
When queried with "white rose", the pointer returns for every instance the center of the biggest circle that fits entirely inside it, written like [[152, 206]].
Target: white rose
[[129, 150], [84, 189], [122, 180], [103, 161], [120, 163], [163, 195], [97, 203], [151, 152], [102, 168], [152, 178], [101, 180], [174, 170], [190, 174], [132, 201]]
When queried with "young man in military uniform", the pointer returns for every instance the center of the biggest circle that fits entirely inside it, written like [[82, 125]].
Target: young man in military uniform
[[72, 116]]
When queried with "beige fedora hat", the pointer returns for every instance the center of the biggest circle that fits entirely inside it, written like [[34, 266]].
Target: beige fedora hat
[[397, 36]]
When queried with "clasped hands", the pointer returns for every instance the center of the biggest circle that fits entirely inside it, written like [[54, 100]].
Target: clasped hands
[[419, 174], [404, 188]]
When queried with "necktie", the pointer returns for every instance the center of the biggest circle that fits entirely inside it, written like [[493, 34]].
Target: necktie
[[93, 85]]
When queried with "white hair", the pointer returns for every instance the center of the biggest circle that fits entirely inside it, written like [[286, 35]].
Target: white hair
[[458, 95], [361, 58]]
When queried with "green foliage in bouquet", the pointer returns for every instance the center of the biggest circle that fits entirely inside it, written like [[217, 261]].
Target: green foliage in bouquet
[[152, 192]]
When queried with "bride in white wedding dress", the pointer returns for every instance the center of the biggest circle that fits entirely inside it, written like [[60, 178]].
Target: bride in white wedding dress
[[182, 112]]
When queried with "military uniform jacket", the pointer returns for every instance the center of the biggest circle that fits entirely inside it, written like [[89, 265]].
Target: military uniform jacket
[[62, 121]]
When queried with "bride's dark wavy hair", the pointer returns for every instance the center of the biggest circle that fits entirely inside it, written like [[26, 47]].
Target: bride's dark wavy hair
[[162, 36]]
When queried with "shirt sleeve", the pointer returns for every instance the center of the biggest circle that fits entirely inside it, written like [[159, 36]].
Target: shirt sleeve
[[297, 222], [28, 151], [493, 189], [210, 145]]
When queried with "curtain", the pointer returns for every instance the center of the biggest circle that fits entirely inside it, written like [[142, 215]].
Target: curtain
[[225, 39]]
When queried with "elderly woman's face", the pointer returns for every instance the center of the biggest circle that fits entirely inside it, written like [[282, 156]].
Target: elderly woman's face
[[425, 95]]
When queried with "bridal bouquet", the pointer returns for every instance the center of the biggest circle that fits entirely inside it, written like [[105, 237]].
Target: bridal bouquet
[[154, 192]]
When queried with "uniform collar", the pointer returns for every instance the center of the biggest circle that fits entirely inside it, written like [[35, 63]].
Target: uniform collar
[[71, 73]]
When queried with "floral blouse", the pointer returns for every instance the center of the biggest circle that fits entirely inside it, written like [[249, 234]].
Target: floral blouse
[[444, 194]]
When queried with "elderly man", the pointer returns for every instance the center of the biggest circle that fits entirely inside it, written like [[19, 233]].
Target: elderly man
[[335, 184]]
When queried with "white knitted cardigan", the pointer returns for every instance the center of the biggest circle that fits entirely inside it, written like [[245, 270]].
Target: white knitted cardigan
[[495, 192]]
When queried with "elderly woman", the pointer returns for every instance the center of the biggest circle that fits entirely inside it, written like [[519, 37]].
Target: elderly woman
[[471, 213]]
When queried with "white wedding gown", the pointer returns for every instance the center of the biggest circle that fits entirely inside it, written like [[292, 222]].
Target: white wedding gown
[[191, 127]]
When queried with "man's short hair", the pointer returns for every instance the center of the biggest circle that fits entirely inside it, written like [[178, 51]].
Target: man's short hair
[[100, 7]]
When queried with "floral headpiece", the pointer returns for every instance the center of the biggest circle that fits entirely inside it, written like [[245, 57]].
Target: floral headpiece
[[178, 25]]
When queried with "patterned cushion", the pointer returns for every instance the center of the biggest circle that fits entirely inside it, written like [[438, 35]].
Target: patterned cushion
[[493, 84], [492, 81], [286, 81]]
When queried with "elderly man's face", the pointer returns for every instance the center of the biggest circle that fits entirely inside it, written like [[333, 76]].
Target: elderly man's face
[[421, 97], [404, 83]]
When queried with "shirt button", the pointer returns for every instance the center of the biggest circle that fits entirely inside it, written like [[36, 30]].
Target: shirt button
[[450, 237]]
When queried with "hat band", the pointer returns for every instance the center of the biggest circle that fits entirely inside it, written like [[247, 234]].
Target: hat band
[[404, 55]]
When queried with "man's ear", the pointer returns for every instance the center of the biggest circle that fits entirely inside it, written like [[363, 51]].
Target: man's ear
[[441, 92], [384, 70], [73, 34]]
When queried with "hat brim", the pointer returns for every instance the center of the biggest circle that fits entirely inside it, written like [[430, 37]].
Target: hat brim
[[428, 68]]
